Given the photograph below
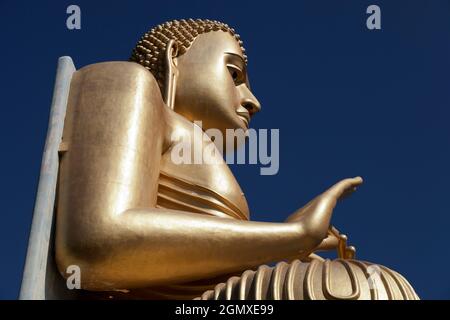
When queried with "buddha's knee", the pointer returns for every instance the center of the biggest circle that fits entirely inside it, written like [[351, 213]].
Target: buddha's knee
[[316, 280]]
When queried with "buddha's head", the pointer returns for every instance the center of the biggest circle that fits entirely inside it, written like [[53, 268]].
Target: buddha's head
[[200, 66]]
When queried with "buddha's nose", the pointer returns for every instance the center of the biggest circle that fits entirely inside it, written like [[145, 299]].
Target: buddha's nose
[[250, 102]]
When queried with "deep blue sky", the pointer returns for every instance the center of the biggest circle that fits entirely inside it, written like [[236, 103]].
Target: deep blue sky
[[348, 101]]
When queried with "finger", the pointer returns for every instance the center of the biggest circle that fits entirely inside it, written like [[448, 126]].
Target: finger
[[345, 184], [330, 242], [347, 192], [357, 180], [354, 183]]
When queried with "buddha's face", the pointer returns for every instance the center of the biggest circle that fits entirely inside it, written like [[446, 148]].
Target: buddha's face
[[212, 84]]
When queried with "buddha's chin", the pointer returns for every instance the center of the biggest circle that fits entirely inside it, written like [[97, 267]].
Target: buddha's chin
[[244, 121], [240, 123], [236, 126]]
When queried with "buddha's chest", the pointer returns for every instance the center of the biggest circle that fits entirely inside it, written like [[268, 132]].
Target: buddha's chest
[[205, 188]]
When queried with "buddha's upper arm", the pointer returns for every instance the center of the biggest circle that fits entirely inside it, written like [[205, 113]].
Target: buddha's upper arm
[[113, 134]]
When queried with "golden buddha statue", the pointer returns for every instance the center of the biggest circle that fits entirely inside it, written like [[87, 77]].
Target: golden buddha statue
[[140, 226]]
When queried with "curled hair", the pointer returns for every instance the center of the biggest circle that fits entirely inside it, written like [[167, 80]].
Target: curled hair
[[150, 50]]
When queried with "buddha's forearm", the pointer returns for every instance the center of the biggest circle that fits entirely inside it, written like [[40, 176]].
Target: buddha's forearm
[[147, 247]]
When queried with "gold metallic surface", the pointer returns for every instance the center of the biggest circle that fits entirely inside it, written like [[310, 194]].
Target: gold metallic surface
[[316, 280], [151, 49], [140, 225]]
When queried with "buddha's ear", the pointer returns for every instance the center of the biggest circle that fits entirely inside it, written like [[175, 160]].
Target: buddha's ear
[[171, 73]]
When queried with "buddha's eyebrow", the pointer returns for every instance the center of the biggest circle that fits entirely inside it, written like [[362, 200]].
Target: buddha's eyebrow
[[240, 59]]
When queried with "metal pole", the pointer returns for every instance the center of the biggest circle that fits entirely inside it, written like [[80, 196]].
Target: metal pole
[[34, 275]]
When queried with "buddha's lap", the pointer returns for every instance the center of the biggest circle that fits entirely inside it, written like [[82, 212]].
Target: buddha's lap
[[315, 280]]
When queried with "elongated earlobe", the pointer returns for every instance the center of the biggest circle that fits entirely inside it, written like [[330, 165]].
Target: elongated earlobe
[[171, 75]]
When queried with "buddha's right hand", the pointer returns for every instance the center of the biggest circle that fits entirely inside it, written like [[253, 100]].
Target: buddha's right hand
[[314, 218]]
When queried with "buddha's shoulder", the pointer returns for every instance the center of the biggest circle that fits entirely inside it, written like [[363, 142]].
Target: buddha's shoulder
[[120, 71], [115, 66]]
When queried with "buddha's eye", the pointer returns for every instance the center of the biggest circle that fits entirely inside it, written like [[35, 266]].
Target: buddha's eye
[[236, 74]]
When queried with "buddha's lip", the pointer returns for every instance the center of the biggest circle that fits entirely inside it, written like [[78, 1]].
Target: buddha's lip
[[244, 116]]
